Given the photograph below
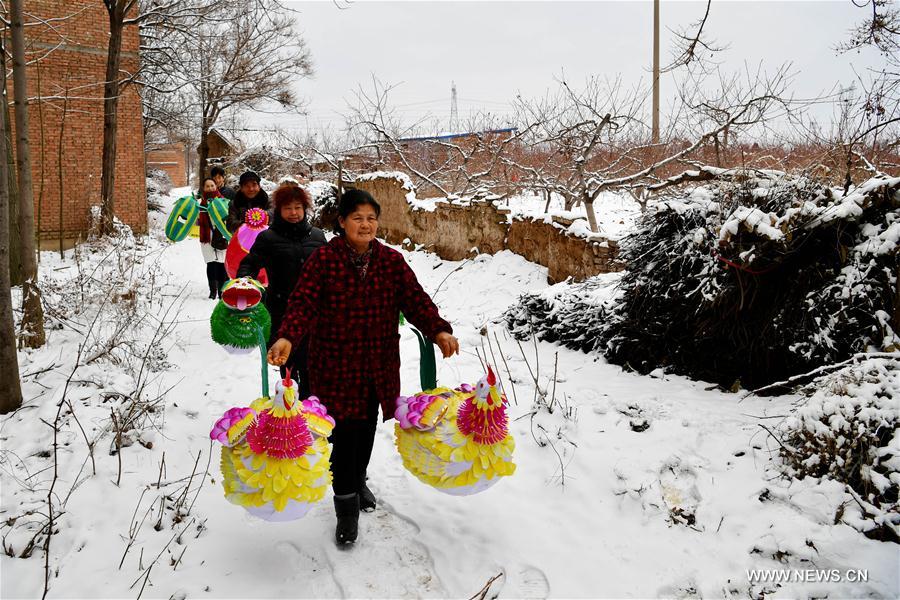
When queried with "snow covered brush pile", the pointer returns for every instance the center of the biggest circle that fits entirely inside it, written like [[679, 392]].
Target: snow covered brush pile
[[573, 315], [848, 430], [751, 279]]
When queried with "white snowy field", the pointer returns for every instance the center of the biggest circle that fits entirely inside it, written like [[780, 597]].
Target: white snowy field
[[632, 487]]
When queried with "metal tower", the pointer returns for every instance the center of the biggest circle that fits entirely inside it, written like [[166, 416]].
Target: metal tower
[[454, 116]]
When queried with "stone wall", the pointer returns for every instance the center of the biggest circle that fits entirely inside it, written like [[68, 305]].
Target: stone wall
[[564, 255], [456, 230]]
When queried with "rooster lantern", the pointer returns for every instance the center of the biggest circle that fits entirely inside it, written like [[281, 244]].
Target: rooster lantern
[[456, 441], [275, 454]]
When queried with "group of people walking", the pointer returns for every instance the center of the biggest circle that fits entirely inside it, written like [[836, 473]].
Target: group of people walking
[[335, 308], [212, 243]]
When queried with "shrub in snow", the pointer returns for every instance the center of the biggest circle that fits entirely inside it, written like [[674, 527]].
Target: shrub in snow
[[570, 314], [754, 278], [120, 233], [158, 182], [263, 160], [848, 431], [324, 196], [159, 185]]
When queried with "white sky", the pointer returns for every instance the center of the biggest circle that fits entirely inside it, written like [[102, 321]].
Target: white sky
[[494, 50]]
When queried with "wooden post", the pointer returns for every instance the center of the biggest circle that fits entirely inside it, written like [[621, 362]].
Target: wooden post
[[340, 179], [655, 132]]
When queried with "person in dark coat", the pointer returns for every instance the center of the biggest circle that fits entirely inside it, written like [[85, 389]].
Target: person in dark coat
[[348, 301], [281, 250], [249, 195], [212, 242], [218, 175]]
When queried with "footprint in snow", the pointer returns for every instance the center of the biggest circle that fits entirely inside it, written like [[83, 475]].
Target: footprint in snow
[[678, 487], [530, 582], [386, 560], [680, 591], [313, 568]]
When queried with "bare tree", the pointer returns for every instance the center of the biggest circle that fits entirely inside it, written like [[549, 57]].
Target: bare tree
[[174, 15], [457, 163], [881, 29], [586, 141], [237, 55], [575, 134], [32, 325], [168, 104], [575, 142], [691, 44], [248, 56], [862, 138], [117, 11], [15, 246], [11, 398]]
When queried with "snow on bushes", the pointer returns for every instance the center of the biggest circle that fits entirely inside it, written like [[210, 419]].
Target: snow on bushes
[[748, 280], [106, 293], [111, 313], [570, 314], [848, 430], [324, 197], [159, 185]]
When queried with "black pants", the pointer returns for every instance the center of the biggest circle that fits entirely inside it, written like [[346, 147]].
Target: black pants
[[216, 276], [352, 441]]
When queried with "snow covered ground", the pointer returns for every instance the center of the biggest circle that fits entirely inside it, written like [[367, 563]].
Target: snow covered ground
[[616, 213], [632, 486]]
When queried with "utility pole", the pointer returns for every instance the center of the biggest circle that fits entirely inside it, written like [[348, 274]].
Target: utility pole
[[454, 117], [655, 132]]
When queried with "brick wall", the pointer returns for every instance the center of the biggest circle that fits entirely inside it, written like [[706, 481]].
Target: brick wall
[[171, 159], [70, 54]]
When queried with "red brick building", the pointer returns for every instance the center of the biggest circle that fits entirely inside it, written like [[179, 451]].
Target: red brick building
[[66, 44], [221, 146], [172, 159]]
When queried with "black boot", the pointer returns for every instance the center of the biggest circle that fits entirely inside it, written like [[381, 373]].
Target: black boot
[[366, 497], [211, 279], [221, 277], [347, 511]]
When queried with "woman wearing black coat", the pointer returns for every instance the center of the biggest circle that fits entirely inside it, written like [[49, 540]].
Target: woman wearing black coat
[[282, 250]]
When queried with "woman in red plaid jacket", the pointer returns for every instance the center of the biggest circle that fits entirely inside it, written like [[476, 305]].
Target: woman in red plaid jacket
[[348, 300]]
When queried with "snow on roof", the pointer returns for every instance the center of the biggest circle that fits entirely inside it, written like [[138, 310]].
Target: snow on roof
[[450, 136], [227, 137]]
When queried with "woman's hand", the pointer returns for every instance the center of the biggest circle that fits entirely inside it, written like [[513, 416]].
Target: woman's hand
[[448, 344], [279, 352]]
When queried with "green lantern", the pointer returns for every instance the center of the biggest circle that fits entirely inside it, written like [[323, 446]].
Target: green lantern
[[183, 216], [217, 208]]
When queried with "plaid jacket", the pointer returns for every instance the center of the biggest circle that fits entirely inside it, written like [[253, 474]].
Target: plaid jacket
[[352, 325]]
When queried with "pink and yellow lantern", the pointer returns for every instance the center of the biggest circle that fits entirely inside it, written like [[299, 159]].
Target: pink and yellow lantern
[[456, 441], [275, 454]]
